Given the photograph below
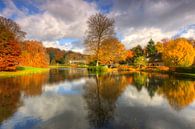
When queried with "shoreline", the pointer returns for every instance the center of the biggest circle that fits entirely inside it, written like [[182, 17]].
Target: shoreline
[[23, 70]]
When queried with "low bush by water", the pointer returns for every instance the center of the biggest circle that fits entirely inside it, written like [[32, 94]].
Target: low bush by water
[[98, 68]]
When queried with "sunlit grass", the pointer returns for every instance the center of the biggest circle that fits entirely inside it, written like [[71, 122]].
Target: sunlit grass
[[23, 71]]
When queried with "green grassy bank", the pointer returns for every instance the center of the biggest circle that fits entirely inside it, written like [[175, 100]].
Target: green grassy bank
[[23, 71]]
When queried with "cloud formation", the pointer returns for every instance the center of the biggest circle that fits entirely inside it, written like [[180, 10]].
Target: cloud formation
[[140, 20], [136, 20]]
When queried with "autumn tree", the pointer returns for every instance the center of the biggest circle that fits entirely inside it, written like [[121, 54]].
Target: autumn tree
[[112, 51], [100, 28], [136, 51], [12, 27], [178, 52], [10, 35], [159, 47], [34, 54]]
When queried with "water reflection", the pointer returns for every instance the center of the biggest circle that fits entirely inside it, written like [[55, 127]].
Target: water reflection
[[179, 93], [101, 94], [9, 98], [72, 98]]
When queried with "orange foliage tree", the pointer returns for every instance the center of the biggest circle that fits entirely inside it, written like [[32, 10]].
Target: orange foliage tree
[[112, 51], [178, 52], [10, 34], [34, 54]]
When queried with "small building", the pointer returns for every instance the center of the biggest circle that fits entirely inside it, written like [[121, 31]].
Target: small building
[[155, 60], [77, 61]]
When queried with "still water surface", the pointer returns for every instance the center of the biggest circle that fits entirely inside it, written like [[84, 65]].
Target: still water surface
[[75, 99]]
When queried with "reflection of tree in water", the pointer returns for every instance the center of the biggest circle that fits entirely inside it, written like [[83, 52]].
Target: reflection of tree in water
[[180, 93], [9, 97], [59, 75], [11, 89], [101, 94], [31, 85], [139, 80]]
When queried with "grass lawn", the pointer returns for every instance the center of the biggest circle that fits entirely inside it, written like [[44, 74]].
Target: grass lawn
[[23, 71]]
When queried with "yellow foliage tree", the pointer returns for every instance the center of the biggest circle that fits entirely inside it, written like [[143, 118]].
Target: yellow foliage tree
[[178, 52], [159, 47], [112, 51]]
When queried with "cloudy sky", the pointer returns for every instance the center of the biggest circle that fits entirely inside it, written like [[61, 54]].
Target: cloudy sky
[[62, 23]]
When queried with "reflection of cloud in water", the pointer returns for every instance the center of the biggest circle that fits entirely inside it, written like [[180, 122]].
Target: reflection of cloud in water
[[137, 110], [46, 107], [63, 110], [66, 87], [49, 105], [133, 97]]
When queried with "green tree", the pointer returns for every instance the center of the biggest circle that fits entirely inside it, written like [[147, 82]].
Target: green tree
[[52, 57], [137, 51], [140, 61], [150, 49]]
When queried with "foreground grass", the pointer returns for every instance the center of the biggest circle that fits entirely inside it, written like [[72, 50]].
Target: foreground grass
[[23, 71]]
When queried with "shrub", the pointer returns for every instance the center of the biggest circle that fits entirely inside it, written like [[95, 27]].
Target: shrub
[[98, 68]]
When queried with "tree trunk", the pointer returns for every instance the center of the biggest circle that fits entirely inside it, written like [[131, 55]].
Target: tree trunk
[[97, 64]]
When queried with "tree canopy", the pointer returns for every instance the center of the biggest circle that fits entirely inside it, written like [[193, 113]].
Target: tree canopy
[[178, 52], [10, 34], [112, 51], [34, 54]]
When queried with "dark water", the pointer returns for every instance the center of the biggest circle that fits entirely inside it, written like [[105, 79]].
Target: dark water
[[74, 99]]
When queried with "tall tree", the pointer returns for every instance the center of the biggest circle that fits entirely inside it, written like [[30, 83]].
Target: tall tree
[[100, 28], [150, 49], [12, 27], [10, 35]]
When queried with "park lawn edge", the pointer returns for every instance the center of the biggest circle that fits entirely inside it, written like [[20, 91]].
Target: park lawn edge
[[23, 70]]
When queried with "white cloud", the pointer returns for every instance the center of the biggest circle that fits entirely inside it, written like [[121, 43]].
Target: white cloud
[[190, 34], [137, 21], [76, 46], [134, 37], [11, 10], [60, 19], [151, 19]]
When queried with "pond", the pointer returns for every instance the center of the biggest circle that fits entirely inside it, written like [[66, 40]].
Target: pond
[[75, 99]]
